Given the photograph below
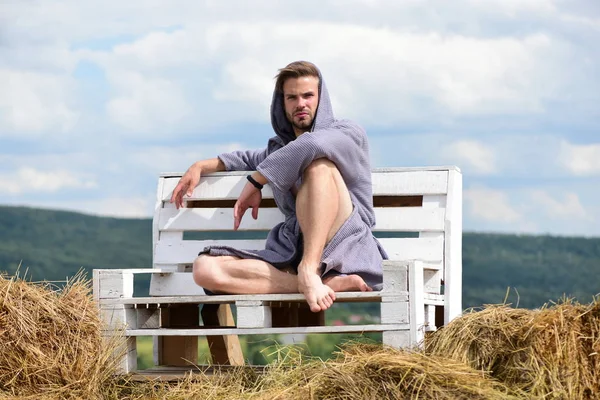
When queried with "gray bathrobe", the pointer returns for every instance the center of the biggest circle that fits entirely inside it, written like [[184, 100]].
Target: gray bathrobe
[[354, 249]]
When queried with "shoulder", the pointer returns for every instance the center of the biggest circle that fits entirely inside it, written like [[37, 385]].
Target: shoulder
[[348, 126], [351, 129]]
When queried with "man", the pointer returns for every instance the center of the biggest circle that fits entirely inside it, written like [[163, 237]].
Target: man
[[319, 170]]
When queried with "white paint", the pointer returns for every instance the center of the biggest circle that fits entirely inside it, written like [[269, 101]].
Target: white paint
[[403, 219]]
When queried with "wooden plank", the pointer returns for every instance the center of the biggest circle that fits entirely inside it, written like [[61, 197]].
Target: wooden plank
[[396, 339], [114, 284], [229, 186], [410, 183], [253, 314], [395, 278], [148, 318], [186, 251], [416, 302], [158, 207], [434, 201], [341, 297], [453, 250], [231, 298], [127, 350], [174, 284], [395, 313], [168, 332], [405, 219], [380, 170], [430, 318], [215, 187], [224, 350], [118, 317], [216, 219], [103, 273]]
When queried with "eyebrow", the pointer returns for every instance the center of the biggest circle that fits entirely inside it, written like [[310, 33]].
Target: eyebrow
[[299, 94]]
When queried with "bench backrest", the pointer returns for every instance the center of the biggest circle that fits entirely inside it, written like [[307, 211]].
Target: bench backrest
[[418, 213]]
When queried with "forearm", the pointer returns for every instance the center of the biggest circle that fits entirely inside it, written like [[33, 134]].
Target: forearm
[[210, 165]]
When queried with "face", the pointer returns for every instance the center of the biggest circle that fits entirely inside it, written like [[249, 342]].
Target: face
[[301, 99]]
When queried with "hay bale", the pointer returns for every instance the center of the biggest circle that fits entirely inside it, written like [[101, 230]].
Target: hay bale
[[358, 372], [548, 353], [370, 372], [51, 342]]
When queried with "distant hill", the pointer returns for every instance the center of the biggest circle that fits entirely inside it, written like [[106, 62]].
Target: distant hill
[[52, 245]]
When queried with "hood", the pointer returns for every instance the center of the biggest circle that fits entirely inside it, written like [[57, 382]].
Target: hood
[[323, 116]]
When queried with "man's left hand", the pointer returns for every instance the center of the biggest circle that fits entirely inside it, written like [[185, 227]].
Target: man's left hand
[[249, 198]]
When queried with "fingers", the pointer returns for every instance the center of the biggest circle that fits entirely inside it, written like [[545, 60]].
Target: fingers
[[238, 212], [175, 195], [255, 212], [193, 182]]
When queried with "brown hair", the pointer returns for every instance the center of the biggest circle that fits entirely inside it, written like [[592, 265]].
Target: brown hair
[[296, 69]]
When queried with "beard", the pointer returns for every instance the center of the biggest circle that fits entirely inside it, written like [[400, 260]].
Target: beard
[[303, 124]]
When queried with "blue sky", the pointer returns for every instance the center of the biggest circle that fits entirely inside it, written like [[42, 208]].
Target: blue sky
[[98, 97]]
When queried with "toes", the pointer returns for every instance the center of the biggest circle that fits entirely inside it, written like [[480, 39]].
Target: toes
[[331, 295], [323, 304], [314, 305]]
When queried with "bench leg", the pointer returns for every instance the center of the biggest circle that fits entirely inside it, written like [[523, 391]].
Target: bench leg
[[224, 350], [180, 351]]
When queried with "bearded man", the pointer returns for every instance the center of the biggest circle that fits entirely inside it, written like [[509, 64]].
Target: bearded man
[[319, 170]]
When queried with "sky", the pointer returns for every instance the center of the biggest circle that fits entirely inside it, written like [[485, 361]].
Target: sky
[[97, 98]]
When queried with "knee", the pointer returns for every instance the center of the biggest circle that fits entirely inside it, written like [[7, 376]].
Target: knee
[[206, 272], [319, 167]]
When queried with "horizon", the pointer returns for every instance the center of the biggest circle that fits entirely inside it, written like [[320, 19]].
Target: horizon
[[149, 218]]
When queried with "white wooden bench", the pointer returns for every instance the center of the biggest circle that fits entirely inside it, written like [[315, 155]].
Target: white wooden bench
[[419, 222]]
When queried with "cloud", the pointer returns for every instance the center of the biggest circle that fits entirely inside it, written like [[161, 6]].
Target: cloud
[[569, 207], [580, 159], [30, 180], [471, 154], [490, 205], [35, 102], [147, 104], [158, 78], [513, 7]]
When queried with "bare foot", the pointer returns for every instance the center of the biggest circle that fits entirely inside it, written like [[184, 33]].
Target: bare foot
[[318, 295], [347, 283]]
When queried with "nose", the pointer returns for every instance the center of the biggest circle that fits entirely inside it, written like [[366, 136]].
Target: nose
[[301, 103]]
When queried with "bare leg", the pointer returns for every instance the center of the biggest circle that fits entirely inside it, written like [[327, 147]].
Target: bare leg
[[232, 275], [323, 204]]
